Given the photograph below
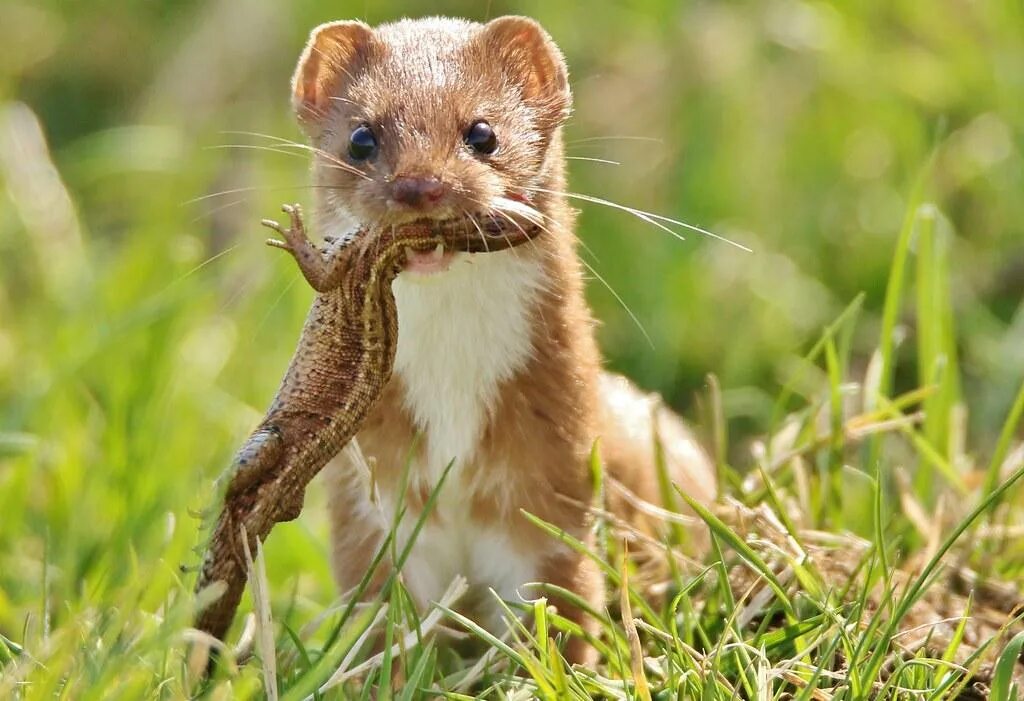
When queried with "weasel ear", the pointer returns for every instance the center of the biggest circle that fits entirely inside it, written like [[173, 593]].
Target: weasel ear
[[532, 61], [331, 54]]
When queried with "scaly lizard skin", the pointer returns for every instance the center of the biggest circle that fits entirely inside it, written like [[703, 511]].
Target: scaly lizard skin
[[343, 361]]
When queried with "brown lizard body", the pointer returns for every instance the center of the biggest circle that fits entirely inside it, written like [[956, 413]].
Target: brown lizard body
[[342, 363]]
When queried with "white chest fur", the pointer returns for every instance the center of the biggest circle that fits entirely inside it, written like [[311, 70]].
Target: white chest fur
[[461, 334]]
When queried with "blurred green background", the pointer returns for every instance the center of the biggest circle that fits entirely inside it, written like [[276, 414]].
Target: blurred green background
[[144, 327]]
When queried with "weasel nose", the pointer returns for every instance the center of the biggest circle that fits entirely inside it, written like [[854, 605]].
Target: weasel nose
[[416, 192]]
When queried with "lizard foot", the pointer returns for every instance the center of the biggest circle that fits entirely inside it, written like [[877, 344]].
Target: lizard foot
[[295, 240], [260, 455], [320, 273], [290, 509]]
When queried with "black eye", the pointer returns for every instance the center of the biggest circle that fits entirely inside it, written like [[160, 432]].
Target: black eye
[[362, 143], [480, 137]]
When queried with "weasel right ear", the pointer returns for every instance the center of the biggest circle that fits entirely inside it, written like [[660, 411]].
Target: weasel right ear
[[330, 55], [531, 60]]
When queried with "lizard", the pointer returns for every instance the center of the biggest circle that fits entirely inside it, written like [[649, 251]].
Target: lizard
[[343, 361]]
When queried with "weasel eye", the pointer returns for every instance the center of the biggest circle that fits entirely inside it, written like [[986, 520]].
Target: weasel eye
[[480, 137], [362, 143]]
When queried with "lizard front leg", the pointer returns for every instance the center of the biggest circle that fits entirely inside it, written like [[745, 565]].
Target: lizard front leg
[[322, 269]]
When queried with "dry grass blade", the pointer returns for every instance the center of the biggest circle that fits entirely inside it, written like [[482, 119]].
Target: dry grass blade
[[456, 589], [636, 653], [260, 589]]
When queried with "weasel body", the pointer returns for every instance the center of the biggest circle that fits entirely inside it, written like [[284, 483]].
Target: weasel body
[[497, 371]]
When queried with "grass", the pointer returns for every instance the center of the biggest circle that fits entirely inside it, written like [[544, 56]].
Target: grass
[[825, 580], [865, 411]]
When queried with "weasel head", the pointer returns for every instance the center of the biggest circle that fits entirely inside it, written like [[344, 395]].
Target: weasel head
[[434, 118]]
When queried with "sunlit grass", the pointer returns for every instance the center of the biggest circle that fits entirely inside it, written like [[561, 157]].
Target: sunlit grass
[[829, 577], [865, 402]]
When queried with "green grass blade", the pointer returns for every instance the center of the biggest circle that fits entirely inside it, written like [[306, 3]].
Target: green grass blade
[[1006, 436], [1003, 686], [924, 578], [726, 534]]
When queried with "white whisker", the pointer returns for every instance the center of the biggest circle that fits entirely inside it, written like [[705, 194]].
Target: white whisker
[[252, 147], [593, 160], [591, 139], [218, 208], [648, 217], [472, 220], [621, 302], [273, 305], [238, 190], [206, 262], [288, 143]]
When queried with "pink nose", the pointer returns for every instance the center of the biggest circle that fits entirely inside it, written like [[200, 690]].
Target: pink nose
[[416, 192]]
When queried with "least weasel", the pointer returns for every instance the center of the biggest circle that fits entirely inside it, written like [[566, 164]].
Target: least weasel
[[497, 369]]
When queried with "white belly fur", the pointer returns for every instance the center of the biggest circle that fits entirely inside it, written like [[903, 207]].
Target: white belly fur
[[461, 335], [485, 557]]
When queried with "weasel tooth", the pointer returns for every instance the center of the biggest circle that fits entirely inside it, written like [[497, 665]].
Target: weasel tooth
[[439, 250], [408, 252]]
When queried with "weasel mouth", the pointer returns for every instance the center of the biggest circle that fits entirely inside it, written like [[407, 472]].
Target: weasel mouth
[[507, 215], [436, 260]]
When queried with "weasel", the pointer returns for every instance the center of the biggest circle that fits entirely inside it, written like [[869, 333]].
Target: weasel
[[497, 370]]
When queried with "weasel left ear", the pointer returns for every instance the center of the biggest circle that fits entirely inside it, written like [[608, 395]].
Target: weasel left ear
[[532, 61], [331, 56]]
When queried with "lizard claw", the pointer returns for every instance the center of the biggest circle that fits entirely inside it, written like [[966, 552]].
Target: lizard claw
[[271, 224], [294, 235], [294, 212], [277, 243], [314, 262]]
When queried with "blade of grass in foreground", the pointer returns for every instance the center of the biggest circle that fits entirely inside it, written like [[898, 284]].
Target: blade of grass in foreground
[[580, 547], [846, 318], [917, 587], [1003, 686], [1006, 436], [891, 310], [748, 554], [338, 644], [936, 344], [419, 674]]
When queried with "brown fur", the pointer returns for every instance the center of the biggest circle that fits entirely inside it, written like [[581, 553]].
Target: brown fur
[[420, 84]]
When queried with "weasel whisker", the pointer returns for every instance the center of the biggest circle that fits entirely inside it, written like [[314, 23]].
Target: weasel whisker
[[623, 137], [548, 217], [211, 259], [286, 149], [472, 220], [621, 301], [596, 274], [606, 161], [252, 189], [639, 214], [506, 215], [289, 143], [649, 217], [273, 305], [218, 208]]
